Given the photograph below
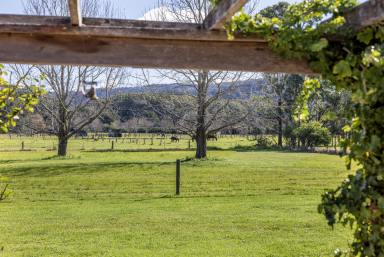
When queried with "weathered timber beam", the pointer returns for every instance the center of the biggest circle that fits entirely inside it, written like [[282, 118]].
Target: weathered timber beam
[[75, 12], [144, 53], [365, 14], [112, 28], [222, 13]]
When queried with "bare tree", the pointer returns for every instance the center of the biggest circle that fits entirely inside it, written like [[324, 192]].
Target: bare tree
[[208, 111], [69, 106]]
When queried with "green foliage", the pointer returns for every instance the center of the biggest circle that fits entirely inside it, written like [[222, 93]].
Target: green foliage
[[278, 10], [5, 192], [312, 134], [214, 2], [14, 100], [263, 141], [356, 63], [301, 111]]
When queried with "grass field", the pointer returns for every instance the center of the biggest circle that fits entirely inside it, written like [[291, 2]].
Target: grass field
[[132, 142], [123, 204]]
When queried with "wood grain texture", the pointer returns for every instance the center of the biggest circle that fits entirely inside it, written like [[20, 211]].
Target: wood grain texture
[[144, 53], [366, 14], [222, 13], [113, 28], [75, 12]]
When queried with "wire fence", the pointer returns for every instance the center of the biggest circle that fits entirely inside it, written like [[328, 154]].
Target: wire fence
[[128, 142]]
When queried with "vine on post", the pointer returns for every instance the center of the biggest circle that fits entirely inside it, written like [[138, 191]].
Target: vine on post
[[315, 30]]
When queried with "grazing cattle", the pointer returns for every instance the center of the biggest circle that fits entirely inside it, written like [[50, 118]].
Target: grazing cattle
[[115, 133], [211, 137], [175, 139], [79, 133]]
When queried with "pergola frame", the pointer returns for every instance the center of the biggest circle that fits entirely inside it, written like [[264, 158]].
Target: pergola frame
[[76, 40]]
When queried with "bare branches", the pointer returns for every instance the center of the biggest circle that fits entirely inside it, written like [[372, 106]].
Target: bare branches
[[65, 107]]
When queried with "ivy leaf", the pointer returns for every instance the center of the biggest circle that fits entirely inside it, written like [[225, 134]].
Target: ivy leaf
[[320, 45], [375, 142], [343, 69], [365, 36]]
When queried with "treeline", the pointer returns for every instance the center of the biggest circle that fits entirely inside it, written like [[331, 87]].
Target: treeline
[[270, 110]]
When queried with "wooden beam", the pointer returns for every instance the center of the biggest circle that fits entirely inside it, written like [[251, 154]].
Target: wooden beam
[[75, 12], [366, 14], [223, 13], [143, 53], [112, 28]]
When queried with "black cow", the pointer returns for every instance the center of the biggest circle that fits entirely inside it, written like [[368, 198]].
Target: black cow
[[174, 139], [212, 137]]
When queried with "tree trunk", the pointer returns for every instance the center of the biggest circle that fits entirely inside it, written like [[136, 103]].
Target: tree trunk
[[280, 121], [63, 144], [62, 135], [201, 133], [201, 143]]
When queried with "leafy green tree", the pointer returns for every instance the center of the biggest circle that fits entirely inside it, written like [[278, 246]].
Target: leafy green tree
[[312, 134], [278, 10]]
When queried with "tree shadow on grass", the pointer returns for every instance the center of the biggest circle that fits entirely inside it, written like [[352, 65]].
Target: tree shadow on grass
[[77, 168]]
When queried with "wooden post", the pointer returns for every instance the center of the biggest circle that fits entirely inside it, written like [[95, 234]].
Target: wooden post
[[113, 145], [177, 177], [152, 141], [22, 146], [189, 144]]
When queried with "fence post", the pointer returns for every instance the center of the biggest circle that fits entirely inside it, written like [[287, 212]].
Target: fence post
[[22, 146], [189, 144], [177, 177], [113, 145]]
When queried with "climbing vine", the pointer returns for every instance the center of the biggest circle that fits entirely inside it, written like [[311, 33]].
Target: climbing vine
[[350, 58]]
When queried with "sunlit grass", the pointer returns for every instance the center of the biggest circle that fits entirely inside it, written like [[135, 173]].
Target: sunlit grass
[[123, 204]]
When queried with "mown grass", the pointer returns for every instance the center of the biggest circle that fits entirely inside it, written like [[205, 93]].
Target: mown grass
[[123, 204], [133, 142]]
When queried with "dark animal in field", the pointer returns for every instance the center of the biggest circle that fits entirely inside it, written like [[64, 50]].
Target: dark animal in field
[[212, 137], [209, 137], [115, 133], [162, 135], [79, 133], [175, 139]]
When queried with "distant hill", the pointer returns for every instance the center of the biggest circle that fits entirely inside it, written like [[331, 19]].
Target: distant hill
[[244, 89]]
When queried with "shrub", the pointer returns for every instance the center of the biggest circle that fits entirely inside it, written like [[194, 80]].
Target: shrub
[[312, 134], [264, 141]]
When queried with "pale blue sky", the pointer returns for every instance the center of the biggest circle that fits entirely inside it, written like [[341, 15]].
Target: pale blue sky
[[132, 9]]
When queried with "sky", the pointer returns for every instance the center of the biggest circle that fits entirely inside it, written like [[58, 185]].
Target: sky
[[132, 9]]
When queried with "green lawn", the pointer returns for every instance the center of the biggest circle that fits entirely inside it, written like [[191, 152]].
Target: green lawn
[[131, 142], [123, 204]]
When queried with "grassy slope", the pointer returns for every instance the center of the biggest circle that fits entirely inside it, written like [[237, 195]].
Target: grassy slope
[[122, 204]]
